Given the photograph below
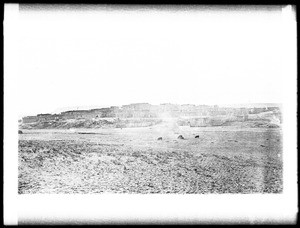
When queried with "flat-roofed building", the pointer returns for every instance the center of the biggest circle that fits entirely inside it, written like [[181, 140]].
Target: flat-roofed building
[[29, 119]]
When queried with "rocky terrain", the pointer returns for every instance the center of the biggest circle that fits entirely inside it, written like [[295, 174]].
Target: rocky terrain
[[224, 159], [91, 123]]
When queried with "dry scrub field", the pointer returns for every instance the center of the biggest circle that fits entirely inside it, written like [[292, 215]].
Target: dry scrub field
[[132, 160]]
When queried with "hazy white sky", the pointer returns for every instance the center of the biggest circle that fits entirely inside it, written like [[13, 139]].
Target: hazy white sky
[[114, 57]]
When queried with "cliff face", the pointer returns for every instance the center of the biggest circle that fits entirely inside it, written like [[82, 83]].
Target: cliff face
[[142, 115]]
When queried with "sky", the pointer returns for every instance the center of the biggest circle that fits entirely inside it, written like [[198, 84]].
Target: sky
[[106, 56]]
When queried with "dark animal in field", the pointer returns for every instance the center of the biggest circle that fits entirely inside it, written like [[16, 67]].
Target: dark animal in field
[[20, 132], [87, 133], [197, 137], [160, 138], [262, 146], [180, 137]]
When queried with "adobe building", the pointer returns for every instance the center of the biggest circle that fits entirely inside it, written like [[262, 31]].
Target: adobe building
[[199, 122], [29, 119]]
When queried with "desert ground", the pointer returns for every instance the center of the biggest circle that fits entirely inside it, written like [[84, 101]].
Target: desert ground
[[225, 159]]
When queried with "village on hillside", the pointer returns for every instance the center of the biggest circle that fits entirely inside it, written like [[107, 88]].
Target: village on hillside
[[145, 114]]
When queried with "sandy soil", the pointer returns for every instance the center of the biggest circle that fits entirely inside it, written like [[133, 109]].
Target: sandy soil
[[132, 160]]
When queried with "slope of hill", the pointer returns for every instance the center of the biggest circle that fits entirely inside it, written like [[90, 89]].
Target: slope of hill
[[266, 119]]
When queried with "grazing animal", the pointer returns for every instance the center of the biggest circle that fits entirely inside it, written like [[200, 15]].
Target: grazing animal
[[180, 137], [20, 132], [262, 146], [160, 138], [197, 137]]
